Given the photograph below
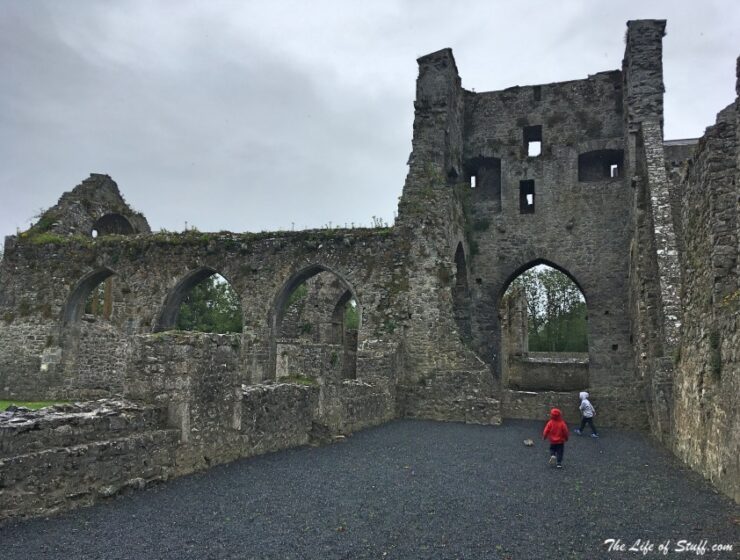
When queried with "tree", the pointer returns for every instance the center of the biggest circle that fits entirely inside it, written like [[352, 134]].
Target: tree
[[211, 306], [556, 311]]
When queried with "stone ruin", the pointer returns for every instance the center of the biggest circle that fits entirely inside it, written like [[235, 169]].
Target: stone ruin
[[575, 174]]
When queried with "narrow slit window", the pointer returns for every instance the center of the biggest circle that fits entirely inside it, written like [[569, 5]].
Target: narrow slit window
[[533, 140], [472, 181], [614, 170], [526, 197]]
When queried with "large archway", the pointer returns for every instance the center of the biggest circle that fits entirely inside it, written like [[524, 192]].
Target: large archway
[[543, 330], [202, 301], [314, 324]]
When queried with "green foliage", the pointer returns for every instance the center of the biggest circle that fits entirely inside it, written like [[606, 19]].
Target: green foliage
[[351, 317], [556, 311], [298, 294], [211, 306]]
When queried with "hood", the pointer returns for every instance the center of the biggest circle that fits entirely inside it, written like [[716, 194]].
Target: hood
[[555, 414], [583, 395]]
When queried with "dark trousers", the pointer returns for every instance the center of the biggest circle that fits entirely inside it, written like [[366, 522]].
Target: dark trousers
[[557, 450], [590, 422]]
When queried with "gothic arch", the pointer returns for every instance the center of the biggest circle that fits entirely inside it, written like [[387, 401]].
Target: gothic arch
[[76, 301]]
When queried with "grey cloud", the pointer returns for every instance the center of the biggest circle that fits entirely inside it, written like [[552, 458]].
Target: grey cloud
[[252, 116]]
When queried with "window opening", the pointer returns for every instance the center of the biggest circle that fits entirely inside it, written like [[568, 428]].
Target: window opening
[[472, 181], [526, 197], [533, 140], [600, 165]]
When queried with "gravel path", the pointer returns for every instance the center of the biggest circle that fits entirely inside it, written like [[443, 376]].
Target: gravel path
[[408, 489]]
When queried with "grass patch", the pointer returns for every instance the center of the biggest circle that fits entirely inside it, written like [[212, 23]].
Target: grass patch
[[298, 380], [33, 405]]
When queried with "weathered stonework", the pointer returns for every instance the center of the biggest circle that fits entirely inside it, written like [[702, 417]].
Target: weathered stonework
[[576, 175]]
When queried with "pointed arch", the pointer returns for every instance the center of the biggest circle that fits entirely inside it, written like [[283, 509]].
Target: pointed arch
[[171, 306], [279, 303], [293, 356], [75, 303], [531, 264]]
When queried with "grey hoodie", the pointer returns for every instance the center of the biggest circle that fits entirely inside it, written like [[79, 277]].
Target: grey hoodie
[[586, 407]]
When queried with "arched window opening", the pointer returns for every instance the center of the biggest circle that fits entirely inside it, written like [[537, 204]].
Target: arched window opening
[[317, 318], [461, 298], [112, 224], [544, 331], [92, 298], [203, 301]]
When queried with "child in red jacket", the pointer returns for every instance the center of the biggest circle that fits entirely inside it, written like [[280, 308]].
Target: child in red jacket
[[556, 430]]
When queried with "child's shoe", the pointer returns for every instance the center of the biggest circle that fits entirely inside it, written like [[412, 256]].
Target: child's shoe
[[560, 466], [595, 435], [552, 460], [577, 432]]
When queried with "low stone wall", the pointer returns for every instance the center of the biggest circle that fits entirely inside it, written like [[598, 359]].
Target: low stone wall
[[67, 425], [68, 456], [548, 372], [625, 409], [459, 396], [353, 404], [277, 416], [309, 359]]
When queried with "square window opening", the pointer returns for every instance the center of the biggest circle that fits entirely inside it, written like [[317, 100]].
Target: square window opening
[[526, 197], [533, 140]]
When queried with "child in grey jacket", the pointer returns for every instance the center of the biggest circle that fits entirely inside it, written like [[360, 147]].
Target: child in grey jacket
[[587, 415]]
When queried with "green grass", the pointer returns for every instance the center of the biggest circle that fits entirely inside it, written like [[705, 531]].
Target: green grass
[[298, 380], [35, 405]]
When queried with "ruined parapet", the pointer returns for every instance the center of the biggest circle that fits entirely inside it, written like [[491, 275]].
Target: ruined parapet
[[94, 207]]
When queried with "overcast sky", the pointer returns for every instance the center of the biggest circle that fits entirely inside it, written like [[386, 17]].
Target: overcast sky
[[261, 115]]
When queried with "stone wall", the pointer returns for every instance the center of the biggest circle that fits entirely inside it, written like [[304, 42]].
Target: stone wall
[[706, 419], [73, 455]]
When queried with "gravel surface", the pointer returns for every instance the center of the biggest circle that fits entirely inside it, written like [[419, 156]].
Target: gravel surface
[[408, 489]]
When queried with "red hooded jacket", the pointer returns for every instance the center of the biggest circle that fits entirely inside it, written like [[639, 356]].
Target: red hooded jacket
[[556, 430]]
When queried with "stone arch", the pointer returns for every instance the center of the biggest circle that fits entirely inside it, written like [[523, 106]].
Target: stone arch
[[75, 303], [541, 369], [531, 264], [112, 224], [171, 306], [280, 304]]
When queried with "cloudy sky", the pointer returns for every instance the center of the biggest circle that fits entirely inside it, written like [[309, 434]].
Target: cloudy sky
[[261, 115]]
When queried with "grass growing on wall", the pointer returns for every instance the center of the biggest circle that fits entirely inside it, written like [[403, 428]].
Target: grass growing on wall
[[33, 405]]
